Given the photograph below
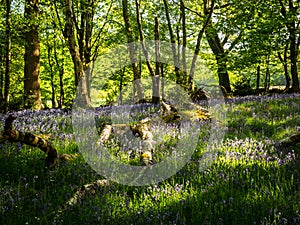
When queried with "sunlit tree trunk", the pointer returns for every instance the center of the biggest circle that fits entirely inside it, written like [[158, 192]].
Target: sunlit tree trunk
[[155, 93], [172, 37], [53, 95], [8, 55], [208, 13], [80, 77], [156, 78], [220, 55], [32, 93], [132, 52]]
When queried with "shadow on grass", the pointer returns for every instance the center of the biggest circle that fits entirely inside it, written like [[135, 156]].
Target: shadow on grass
[[230, 192], [29, 191]]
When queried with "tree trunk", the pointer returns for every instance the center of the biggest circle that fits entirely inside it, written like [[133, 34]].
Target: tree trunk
[[221, 57], [155, 95], [172, 36], [61, 76], [8, 55], [267, 79], [290, 18], [2, 72], [208, 13], [162, 81], [9, 134], [132, 52], [185, 79], [285, 67], [156, 78], [120, 100], [257, 78], [32, 93], [53, 96], [80, 78], [294, 56]]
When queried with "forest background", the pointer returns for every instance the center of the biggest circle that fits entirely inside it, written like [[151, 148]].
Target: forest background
[[47, 47]]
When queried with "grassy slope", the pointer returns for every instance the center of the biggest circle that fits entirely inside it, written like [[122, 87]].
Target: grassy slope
[[249, 183]]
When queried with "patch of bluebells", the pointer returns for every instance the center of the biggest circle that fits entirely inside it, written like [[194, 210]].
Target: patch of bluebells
[[261, 150], [56, 122]]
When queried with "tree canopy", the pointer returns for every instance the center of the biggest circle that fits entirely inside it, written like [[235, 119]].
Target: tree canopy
[[47, 47]]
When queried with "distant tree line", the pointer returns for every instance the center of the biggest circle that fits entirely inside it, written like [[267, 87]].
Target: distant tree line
[[48, 47]]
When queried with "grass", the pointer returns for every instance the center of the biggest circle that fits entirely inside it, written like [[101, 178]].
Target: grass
[[250, 182]]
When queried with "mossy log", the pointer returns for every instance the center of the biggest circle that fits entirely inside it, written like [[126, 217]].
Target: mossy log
[[290, 141], [106, 131], [11, 135], [93, 188], [142, 130]]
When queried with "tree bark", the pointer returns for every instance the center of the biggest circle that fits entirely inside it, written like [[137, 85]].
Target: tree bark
[[293, 41], [185, 79], [221, 57], [294, 56], [132, 52], [257, 78], [80, 77], [208, 13], [32, 93], [155, 95], [156, 79], [285, 67], [9, 134], [8, 55], [2, 72], [172, 36], [61, 76], [267, 79], [53, 96]]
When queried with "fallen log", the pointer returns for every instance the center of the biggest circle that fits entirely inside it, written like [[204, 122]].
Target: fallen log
[[88, 189], [142, 130], [106, 131], [290, 141], [12, 135]]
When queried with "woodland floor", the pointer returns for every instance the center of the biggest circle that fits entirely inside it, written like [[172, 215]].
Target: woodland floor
[[251, 181]]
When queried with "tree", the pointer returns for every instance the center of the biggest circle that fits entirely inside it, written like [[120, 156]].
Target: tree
[[173, 41], [79, 70], [155, 84], [32, 94], [217, 44], [132, 52], [8, 55], [291, 21]]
